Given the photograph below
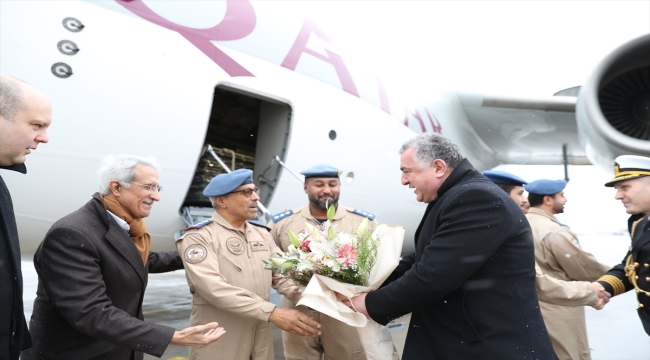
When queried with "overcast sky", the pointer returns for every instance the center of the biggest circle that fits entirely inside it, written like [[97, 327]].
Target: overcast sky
[[513, 47]]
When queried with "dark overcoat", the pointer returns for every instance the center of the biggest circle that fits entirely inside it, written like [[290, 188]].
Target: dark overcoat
[[470, 284], [14, 336], [91, 282]]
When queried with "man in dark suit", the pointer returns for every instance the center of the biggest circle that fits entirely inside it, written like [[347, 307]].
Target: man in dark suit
[[25, 115], [470, 284], [93, 267]]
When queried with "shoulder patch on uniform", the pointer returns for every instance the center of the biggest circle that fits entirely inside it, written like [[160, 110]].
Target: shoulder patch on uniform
[[364, 214], [195, 253], [282, 215], [199, 225], [260, 225]]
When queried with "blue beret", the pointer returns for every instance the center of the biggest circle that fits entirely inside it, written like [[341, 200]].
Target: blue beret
[[502, 177], [324, 171], [225, 183], [545, 187]]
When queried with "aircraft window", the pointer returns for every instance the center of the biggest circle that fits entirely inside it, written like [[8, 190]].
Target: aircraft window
[[332, 135], [350, 177], [72, 24], [61, 70], [67, 47]]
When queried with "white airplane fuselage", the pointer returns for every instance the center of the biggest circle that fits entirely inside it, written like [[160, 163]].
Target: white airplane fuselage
[[165, 79], [141, 88]]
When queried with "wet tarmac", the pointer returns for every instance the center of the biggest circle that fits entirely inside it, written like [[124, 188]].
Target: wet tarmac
[[615, 333], [167, 301]]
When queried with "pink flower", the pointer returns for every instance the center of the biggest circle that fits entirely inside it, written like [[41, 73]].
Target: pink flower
[[347, 252]]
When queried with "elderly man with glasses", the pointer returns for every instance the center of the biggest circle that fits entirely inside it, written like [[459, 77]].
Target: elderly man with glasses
[[93, 267], [223, 264]]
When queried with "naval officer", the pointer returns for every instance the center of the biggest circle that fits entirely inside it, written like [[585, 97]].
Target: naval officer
[[223, 264], [632, 184], [338, 340]]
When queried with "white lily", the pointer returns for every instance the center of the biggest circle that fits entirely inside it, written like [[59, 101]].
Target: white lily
[[285, 264], [312, 230], [362, 227]]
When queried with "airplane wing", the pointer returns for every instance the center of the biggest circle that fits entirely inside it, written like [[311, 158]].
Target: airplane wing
[[527, 131], [609, 117]]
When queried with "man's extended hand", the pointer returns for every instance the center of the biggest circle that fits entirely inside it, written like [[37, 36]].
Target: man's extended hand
[[294, 322], [357, 303], [603, 296], [198, 336]]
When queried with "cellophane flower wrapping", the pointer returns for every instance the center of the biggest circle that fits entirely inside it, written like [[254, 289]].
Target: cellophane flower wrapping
[[327, 261]]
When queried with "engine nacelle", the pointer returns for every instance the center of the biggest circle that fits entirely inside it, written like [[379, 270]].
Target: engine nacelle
[[613, 108]]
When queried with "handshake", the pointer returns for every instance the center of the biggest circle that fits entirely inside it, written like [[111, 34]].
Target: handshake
[[603, 296]]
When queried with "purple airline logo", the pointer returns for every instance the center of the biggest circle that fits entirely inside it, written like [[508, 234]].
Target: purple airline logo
[[240, 21]]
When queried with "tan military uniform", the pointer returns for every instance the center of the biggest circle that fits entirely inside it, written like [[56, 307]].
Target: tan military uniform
[[229, 285], [338, 341], [565, 293], [558, 253]]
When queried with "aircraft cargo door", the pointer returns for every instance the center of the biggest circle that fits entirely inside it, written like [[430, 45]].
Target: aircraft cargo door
[[246, 130]]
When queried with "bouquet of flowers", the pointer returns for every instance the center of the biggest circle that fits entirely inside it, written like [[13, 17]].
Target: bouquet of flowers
[[327, 261], [321, 250]]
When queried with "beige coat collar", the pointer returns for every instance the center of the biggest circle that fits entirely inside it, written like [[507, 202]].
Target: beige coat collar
[[543, 213], [217, 218]]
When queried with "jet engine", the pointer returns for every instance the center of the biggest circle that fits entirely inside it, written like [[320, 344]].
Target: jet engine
[[613, 108]]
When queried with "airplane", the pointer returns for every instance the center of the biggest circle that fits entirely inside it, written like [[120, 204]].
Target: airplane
[[243, 86]]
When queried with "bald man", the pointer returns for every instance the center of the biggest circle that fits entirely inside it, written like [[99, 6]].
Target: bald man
[[25, 115]]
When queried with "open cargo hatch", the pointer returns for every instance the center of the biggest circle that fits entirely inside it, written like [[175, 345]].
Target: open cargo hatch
[[246, 130]]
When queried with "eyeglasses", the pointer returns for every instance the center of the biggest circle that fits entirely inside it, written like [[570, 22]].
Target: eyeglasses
[[247, 192], [151, 187]]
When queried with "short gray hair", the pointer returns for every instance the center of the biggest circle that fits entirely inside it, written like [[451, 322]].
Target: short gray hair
[[431, 146], [122, 169], [11, 97]]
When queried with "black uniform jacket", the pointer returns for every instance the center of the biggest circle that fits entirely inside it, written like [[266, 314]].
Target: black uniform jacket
[[470, 284], [14, 336], [616, 282], [91, 281]]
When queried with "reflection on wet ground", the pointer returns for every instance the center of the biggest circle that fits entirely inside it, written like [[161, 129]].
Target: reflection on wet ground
[[614, 333]]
